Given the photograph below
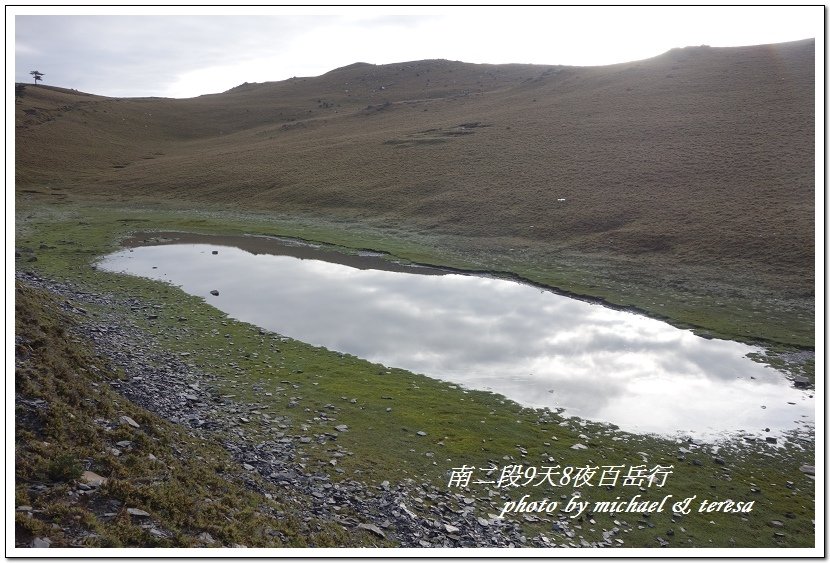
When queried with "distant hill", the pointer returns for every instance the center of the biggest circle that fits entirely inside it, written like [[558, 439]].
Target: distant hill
[[702, 154]]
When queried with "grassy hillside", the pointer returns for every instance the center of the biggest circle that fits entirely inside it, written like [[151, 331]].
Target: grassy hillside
[[665, 183], [82, 472], [682, 186]]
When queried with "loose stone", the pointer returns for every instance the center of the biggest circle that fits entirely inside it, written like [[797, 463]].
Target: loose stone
[[206, 538], [372, 528], [127, 420], [93, 479]]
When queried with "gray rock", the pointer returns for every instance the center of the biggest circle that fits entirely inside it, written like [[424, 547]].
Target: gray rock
[[282, 476], [127, 420], [808, 469], [801, 381], [372, 528], [138, 513], [341, 428], [214, 292], [41, 542], [93, 479], [579, 447], [407, 511], [421, 433]]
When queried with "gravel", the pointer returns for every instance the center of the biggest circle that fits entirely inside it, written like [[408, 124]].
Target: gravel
[[172, 387]]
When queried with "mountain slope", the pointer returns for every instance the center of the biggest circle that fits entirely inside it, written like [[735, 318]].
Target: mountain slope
[[701, 157]]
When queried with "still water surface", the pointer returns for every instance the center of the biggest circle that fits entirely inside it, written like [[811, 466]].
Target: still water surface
[[533, 346]]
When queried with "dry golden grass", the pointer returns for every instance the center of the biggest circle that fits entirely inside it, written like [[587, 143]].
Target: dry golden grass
[[699, 161]]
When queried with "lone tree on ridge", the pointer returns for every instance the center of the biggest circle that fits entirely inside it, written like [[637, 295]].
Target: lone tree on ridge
[[37, 75]]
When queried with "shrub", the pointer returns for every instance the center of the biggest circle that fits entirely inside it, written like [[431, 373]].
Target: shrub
[[64, 468]]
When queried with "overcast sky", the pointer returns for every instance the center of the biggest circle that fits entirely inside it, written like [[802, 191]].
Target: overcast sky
[[184, 52]]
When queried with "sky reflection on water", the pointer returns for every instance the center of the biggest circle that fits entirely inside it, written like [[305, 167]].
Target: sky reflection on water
[[533, 346]]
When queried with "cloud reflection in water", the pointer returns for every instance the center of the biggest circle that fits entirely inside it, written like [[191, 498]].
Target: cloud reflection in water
[[535, 347]]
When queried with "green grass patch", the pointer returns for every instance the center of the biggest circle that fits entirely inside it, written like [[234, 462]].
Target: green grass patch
[[457, 427]]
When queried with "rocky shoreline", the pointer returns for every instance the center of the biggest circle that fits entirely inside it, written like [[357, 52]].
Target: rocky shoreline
[[407, 514]]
